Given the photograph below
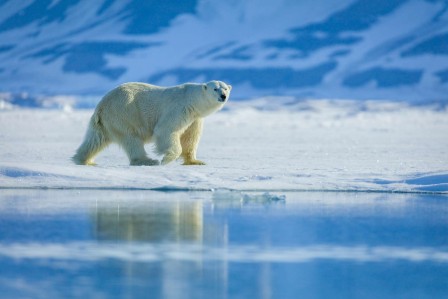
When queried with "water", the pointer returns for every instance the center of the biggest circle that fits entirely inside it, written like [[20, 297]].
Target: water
[[144, 244]]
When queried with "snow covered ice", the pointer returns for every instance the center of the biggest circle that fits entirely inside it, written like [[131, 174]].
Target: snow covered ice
[[267, 144]]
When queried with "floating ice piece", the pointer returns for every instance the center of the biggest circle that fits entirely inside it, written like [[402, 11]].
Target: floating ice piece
[[246, 198], [263, 198]]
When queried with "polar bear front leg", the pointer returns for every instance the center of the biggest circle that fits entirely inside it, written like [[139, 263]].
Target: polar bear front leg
[[189, 142], [135, 150], [169, 146]]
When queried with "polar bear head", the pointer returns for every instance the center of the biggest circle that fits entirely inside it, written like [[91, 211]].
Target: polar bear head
[[217, 91], [215, 95]]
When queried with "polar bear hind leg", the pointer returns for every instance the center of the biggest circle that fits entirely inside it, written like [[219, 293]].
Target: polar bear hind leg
[[189, 142]]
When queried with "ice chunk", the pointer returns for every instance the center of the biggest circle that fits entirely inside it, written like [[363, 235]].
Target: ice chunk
[[231, 196]]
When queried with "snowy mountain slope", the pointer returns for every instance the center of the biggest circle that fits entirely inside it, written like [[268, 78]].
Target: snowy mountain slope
[[352, 48]]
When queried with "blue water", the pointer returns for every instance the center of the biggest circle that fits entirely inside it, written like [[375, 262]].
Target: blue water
[[145, 244]]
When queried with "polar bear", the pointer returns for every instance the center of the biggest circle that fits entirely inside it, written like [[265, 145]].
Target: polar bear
[[137, 113]]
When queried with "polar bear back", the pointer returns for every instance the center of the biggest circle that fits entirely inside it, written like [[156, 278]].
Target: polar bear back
[[146, 94]]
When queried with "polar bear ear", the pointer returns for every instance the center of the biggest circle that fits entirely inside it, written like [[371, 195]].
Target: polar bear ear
[[230, 87], [204, 86]]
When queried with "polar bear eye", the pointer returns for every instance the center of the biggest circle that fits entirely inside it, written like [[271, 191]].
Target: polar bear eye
[[216, 89]]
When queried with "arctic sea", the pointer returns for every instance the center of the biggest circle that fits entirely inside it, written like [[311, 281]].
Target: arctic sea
[[222, 244]]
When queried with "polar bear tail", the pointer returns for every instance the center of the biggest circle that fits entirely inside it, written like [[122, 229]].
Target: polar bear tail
[[94, 141]]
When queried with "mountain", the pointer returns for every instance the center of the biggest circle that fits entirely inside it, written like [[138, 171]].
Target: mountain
[[361, 49]]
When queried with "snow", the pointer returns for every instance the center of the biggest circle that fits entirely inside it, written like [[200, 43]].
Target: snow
[[266, 145]]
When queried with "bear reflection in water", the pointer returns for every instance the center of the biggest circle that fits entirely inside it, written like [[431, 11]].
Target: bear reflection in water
[[151, 222], [182, 220]]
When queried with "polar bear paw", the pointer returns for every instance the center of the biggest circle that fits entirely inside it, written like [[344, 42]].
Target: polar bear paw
[[194, 162]]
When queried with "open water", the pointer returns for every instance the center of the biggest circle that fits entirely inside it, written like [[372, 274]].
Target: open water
[[147, 244]]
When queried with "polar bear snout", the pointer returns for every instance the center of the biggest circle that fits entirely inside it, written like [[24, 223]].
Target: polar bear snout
[[223, 98]]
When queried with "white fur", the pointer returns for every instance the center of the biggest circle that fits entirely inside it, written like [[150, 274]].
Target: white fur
[[137, 113]]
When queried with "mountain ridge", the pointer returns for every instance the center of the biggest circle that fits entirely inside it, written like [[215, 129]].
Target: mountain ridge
[[352, 49]]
